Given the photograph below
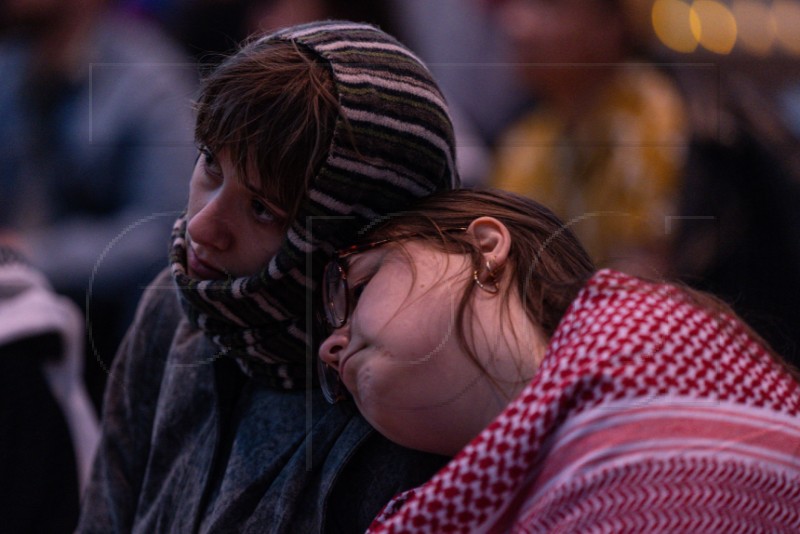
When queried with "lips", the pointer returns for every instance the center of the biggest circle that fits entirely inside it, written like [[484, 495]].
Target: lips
[[340, 370], [200, 269], [344, 361]]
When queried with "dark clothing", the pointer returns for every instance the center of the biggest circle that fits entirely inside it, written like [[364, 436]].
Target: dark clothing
[[48, 430], [191, 445], [38, 474], [738, 235]]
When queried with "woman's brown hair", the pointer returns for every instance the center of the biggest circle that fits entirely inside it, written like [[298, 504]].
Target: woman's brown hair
[[547, 266], [274, 107]]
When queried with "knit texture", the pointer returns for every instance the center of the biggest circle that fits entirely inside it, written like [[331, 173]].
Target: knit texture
[[399, 146], [648, 414]]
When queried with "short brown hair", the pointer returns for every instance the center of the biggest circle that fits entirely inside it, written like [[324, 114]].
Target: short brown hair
[[274, 106]]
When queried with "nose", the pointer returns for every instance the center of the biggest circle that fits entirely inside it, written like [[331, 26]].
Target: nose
[[211, 226], [331, 349]]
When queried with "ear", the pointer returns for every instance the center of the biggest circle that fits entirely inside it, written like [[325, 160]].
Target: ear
[[493, 240]]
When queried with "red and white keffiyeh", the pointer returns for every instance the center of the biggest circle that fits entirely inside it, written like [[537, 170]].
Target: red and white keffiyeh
[[648, 414]]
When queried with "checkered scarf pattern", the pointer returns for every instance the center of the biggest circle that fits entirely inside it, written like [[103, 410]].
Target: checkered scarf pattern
[[400, 147], [648, 414]]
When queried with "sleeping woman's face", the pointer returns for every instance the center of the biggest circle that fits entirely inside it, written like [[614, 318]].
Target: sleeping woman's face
[[398, 352]]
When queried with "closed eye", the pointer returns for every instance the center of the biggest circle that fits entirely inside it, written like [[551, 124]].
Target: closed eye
[[363, 267], [358, 290]]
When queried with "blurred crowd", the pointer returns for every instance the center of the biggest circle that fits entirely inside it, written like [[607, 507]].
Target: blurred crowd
[[667, 165]]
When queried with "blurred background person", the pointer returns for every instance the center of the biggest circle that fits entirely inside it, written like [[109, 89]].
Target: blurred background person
[[469, 55], [95, 144], [604, 146], [48, 428], [663, 167]]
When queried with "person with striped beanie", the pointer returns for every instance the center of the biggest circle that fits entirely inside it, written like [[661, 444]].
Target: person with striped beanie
[[213, 421]]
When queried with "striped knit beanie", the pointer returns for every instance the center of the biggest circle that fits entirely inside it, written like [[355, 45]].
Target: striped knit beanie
[[395, 144]]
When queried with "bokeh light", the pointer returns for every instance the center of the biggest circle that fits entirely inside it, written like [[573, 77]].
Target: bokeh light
[[713, 26], [786, 14], [756, 26], [672, 21]]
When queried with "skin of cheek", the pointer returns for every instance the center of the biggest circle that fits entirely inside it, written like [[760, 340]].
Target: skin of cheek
[[411, 379], [404, 337], [411, 416]]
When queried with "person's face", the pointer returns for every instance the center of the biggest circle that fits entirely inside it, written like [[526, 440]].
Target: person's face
[[232, 230], [398, 354], [560, 33]]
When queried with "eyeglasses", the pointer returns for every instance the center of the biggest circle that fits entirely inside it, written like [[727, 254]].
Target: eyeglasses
[[338, 304], [335, 290]]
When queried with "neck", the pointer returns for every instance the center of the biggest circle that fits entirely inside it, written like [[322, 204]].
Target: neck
[[510, 357]]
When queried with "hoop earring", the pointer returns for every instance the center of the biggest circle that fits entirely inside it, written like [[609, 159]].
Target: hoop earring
[[483, 286]]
